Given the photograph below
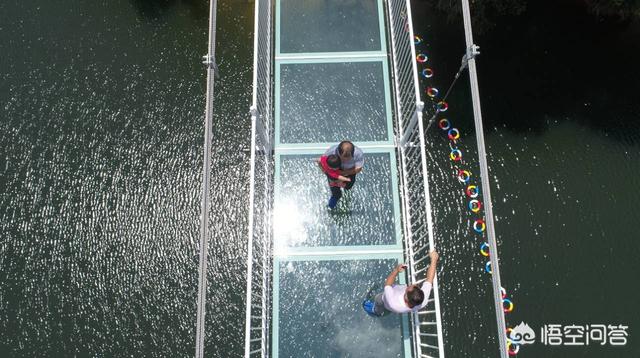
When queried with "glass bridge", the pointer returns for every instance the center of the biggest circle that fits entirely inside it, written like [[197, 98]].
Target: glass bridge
[[324, 72]]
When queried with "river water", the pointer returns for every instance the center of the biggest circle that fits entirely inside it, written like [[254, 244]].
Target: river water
[[101, 152]]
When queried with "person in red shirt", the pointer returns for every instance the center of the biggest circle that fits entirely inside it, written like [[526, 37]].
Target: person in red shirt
[[330, 165]]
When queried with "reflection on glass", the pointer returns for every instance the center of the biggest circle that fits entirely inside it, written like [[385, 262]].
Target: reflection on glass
[[329, 26], [364, 216], [321, 311], [327, 102]]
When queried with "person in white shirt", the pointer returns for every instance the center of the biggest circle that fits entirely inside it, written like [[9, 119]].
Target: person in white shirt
[[402, 298]]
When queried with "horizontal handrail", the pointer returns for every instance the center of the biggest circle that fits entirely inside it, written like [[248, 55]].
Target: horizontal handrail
[[416, 206], [258, 294]]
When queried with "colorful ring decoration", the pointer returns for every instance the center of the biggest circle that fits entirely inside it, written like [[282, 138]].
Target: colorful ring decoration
[[464, 176], [444, 124], [442, 106], [432, 92], [509, 307], [473, 191], [484, 250], [455, 155], [475, 205], [417, 40], [479, 226], [510, 348], [453, 134]]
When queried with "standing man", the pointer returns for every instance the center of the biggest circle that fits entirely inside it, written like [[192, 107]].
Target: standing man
[[352, 160], [402, 298]]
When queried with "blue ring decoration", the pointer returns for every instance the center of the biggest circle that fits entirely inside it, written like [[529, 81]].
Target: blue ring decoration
[[510, 305], [487, 267], [456, 155], [484, 250], [464, 176], [453, 134]]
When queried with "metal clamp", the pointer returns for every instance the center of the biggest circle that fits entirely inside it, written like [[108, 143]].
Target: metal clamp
[[472, 52], [210, 62]]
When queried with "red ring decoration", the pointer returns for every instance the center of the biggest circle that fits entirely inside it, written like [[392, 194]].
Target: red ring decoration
[[427, 73], [464, 176], [456, 155], [473, 191], [453, 134], [432, 92], [422, 58], [512, 351], [442, 106], [479, 226], [444, 124]]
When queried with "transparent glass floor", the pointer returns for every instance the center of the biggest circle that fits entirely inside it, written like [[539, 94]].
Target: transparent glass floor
[[332, 84], [330, 101], [329, 25], [366, 215], [320, 310]]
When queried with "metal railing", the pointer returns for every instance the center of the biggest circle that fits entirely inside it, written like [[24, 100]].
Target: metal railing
[[259, 250], [416, 204]]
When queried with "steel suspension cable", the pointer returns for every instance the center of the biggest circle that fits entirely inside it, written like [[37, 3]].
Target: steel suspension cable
[[465, 61], [484, 175], [209, 61]]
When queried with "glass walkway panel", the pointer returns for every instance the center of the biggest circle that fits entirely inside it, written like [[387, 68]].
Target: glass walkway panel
[[321, 99], [332, 84], [309, 267]]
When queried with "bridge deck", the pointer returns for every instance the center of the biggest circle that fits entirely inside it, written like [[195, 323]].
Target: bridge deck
[[332, 83]]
